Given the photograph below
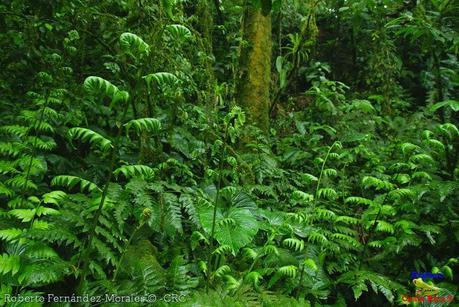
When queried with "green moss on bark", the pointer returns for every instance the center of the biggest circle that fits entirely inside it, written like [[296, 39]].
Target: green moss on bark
[[255, 67]]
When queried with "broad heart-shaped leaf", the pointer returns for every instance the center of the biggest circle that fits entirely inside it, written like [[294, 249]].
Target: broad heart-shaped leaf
[[237, 233]]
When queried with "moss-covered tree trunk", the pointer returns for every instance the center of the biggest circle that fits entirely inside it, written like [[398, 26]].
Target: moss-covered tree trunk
[[255, 66]]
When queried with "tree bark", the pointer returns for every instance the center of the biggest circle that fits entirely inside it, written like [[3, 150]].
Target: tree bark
[[255, 67]]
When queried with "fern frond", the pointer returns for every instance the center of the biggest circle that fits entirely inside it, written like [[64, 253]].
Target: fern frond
[[151, 125], [43, 272], [174, 212], [359, 200], [10, 234], [189, 208], [20, 182], [42, 126], [249, 253], [436, 145], [179, 32], [384, 226], [330, 172], [99, 86], [345, 239], [54, 197], [378, 184], [40, 210], [55, 235], [6, 191], [408, 148], [309, 178], [295, 244], [8, 167], [162, 79], [449, 130], [133, 44], [93, 137], [109, 237], [11, 149], [270, 250], [327, 193], [72, 181], [9, 263], [19, 131], [310, 264], [254, 278], [347, 220], [422, 157], [41, 143], [302, 196], [25, 215], [324, 214], [223, 270], [130, 171], [105, 252], [316, 237], [288, 271], [38, 250], [401, 193]]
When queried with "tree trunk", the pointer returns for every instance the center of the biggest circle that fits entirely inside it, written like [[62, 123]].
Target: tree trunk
[[255, 67]]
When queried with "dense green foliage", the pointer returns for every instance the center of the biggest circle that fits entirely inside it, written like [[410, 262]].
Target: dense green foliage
[[128, 167]]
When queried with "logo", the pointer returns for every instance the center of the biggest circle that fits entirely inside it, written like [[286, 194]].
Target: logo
[[423, 288], [426, 292], [425, 275], [428, 298]]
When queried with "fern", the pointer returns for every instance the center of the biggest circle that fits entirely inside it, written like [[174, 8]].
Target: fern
[[11, 149], [378, 184], [295, 244], [9, 264], [99, 86], [408, 148], [54, 197], [359, 200], [151, 125], [130, 171], [10, 234], [17, 130], [21, 182], [327, 193], [449, 130], [288, 271], [422, 157], [301, 196], [401, 193], [162, 79], [358, 280], [221, 271], [179, 32], [94, 138], [72, 181], [132, 44]]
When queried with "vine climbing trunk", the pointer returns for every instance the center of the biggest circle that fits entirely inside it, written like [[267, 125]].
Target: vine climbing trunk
[[255, 66]]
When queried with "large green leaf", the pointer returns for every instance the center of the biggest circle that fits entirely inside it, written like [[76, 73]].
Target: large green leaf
[[235, 227]]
